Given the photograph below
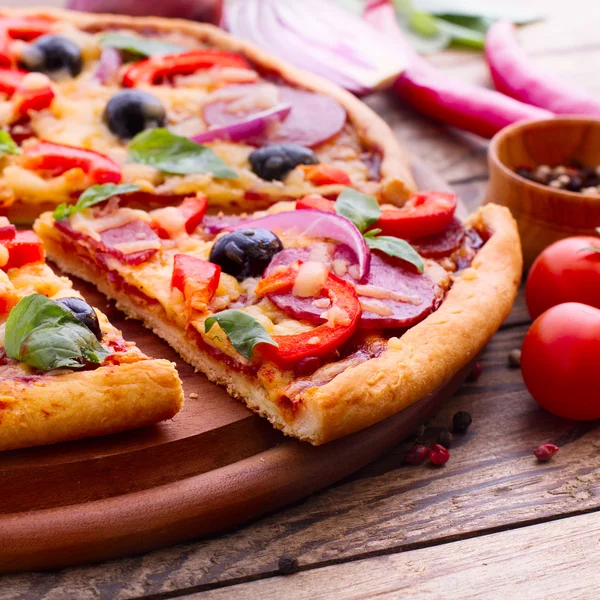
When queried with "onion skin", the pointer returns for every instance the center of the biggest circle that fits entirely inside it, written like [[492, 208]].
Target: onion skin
[[444, 98], [208, 11], [515, 75]]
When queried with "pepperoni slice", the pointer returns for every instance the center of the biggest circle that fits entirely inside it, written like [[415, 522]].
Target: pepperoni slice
[[314, 118], [384, 273], [441, 244]]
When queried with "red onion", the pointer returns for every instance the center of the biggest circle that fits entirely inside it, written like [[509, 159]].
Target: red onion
[[320, 37], [252, 126], [108, 65], [515, 75], [318, 224], [196, 10]]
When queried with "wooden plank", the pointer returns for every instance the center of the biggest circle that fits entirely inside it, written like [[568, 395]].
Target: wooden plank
[[536, 563], [492, 481]]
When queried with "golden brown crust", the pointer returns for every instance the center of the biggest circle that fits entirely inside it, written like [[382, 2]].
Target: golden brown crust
[[397, 183], [422, 360], [70, 406]]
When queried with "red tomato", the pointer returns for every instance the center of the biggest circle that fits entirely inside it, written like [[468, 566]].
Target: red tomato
[[560, 356], [317, 202], [564, 272], [426, 213]]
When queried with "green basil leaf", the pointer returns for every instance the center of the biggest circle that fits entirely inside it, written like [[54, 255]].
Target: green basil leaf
[[45, 335], [7, 144], [513, 10], [177, 155], [398, 248], [243, 331], [371, 233], [92, 196], [138, 45], [462, 35], [359, 208]]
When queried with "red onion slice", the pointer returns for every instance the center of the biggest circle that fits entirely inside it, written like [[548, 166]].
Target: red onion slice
[[318, 224], [253, 126], [108, 65]]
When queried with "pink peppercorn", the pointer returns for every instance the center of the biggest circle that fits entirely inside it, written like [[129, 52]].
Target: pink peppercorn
[[417, 454], [545, 452], [439, 455]]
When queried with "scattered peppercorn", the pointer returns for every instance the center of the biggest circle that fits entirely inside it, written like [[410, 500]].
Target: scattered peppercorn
[[438, 455], [476, 371], [575, 178], [417, 454], [545, 452], [288, 564], [461, 421], [514, 359], [445, 438]]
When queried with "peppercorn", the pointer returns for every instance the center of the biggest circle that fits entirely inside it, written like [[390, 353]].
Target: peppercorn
[[439, 455], [288, 564], [417, 454], [475, 373], [445, 438], [461, 421], [545, 452], [514, 359]]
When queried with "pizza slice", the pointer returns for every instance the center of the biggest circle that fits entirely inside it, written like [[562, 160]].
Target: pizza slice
[[65, 372], [319, 315], [175, 108]]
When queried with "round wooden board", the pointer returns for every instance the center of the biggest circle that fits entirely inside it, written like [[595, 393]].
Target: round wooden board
[[214, 466]]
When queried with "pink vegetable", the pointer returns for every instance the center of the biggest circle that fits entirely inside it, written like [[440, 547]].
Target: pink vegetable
[[313, 119], [254, 126], [472, 108], [515, 75], [108, 65], [318, 224], [208, 11]]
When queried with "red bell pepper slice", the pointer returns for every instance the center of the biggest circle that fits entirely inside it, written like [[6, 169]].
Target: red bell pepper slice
[[425, 213], [325, 175], [197, 279], [58, 158], [154, 69], [26, 247], [6, 55], [316, 202], [193, 210], [10, 80], [321, 340], [26, 28], [26, 99]]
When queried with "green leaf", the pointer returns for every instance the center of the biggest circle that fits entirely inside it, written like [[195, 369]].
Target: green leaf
[[138, 45], [516, 11], [45, 335], [371, 233], [462, 35], [359, 208], [92, 196], [243, 331], [177, 155], [7, 144], [398, 248]]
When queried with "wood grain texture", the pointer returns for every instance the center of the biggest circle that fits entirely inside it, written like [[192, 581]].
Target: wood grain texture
[[535, 562]]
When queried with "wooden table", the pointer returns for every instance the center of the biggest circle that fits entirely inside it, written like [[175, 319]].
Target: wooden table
[[492, 523]]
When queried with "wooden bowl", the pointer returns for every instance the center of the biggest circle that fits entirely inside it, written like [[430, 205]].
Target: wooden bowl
[[544, 214]]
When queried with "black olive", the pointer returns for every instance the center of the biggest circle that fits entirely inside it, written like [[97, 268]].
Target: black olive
[[53, 55], [130, 111], [83, 312], [245, 252], [277, 160]]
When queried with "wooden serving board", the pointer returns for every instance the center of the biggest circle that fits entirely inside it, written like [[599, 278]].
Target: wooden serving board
[[213, 466]]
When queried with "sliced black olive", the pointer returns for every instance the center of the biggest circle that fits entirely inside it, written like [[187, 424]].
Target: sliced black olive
[[84, 313], [277, 160], [130, 111], [245, 252], [53, 55]]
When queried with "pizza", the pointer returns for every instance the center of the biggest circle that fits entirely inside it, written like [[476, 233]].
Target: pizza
[[65, 372], [174, 108], [320, 315]]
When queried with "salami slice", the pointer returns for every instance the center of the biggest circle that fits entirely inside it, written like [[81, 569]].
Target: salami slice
[[413, 293], [441, 244], [313, 119]]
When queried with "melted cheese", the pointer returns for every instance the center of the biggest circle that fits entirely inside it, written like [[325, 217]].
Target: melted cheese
[[376, 306], [373, 291], [310, 279], [89, 226], [336, 316], [137, 246]]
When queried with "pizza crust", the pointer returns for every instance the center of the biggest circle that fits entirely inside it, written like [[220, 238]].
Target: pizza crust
[[396, 184], [426, 357], [75, 405]]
